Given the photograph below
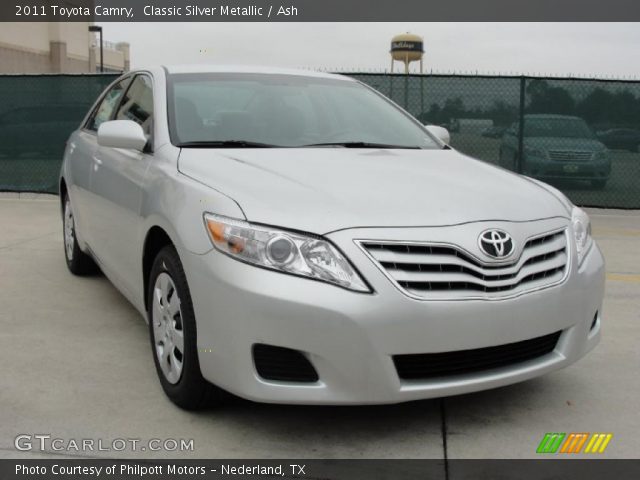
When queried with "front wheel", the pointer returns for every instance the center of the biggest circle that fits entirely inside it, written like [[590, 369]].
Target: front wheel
[[172, 328]]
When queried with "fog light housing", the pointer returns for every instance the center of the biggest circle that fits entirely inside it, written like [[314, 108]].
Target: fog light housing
[[283, 364]]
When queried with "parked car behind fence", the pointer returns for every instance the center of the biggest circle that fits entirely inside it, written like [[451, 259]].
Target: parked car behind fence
[[557, 147]]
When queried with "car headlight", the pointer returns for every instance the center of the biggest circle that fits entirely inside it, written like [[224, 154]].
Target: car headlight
[[284, 251], [581, 232], [534, 152], [601, 155]]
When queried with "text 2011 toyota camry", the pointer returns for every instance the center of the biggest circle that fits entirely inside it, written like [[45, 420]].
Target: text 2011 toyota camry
[[295, 237]]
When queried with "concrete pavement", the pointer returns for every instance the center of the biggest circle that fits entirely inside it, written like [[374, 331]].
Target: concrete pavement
[[77, 364]]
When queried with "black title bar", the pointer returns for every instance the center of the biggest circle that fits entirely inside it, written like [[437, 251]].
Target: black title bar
[[318, 10], [114, 469]]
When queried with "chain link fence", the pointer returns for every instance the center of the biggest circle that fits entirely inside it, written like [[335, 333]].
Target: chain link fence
[[37, 115], [580, 135]]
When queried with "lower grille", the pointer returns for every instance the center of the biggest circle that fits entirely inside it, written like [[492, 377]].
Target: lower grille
[[433, 365], [282, 364]]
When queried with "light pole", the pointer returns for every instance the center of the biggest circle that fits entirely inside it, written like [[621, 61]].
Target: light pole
[[94, 29]]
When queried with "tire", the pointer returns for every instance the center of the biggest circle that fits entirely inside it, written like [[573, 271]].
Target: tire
[[172, 326], [598, 184], [78, 262]]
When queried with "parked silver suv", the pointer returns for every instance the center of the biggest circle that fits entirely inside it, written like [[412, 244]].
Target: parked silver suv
[[557, 147], [295, 237]]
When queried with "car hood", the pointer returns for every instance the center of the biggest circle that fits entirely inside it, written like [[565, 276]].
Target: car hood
[[561, 143], [321, 190]]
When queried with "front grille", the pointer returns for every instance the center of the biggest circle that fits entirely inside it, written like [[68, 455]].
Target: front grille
[[432, 365], [431, 271], [282, 364], [570, 155]]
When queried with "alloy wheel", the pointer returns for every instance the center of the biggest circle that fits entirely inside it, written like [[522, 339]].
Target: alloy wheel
[[69, 237], [168, 333]]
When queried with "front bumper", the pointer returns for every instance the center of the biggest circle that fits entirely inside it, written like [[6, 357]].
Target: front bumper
[[565, 170], [350, 337]]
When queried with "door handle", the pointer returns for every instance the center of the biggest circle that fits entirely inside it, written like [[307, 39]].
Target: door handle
[[96, 163]]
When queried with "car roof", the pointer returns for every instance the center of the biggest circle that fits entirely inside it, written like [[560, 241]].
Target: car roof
[[208, 68]]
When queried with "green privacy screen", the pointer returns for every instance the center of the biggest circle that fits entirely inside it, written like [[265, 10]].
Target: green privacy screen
[[37, 114], [580, 135]]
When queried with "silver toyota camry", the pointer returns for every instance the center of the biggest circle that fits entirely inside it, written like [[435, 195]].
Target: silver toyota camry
[[296, 237]]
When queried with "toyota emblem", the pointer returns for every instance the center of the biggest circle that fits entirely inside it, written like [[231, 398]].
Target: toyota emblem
[[496, 243]]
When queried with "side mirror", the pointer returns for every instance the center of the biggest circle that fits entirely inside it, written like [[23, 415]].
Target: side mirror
[[122, 134], [439, 132]]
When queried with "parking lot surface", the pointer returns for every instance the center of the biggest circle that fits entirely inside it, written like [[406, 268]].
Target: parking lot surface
[[76, 364]]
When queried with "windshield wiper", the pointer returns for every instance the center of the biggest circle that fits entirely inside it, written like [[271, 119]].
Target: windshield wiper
[[226, 144], [249, 144], [360, 145]]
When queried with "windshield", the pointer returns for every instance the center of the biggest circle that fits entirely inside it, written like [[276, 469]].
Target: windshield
[[284, 110], [557, 127]]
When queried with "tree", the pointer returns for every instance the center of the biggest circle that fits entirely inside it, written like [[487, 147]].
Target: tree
[[547, 99]]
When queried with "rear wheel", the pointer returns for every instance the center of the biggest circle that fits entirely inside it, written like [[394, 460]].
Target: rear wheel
[[172, 329], [78, 262]]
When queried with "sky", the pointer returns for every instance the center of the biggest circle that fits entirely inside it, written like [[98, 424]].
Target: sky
[[578, 49]]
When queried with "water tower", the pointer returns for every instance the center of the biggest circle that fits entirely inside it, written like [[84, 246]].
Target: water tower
[[406, 48]]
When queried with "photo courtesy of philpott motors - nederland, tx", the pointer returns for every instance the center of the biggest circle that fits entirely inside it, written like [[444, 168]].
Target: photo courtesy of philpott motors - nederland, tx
[[168, 469]]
